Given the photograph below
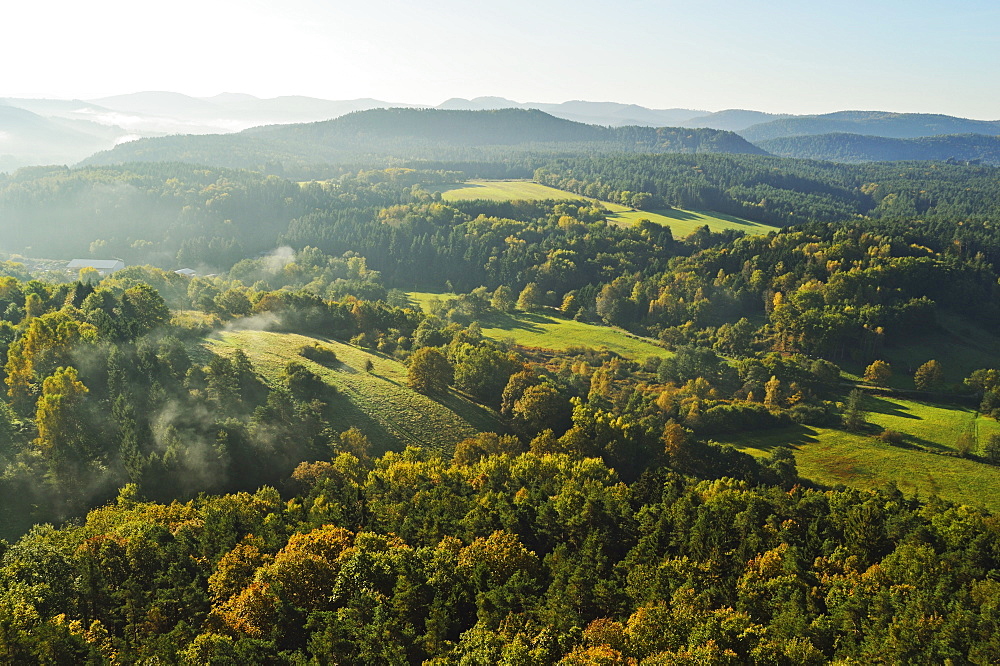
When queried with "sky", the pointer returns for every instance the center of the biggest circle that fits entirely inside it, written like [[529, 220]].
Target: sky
[[778, 56]]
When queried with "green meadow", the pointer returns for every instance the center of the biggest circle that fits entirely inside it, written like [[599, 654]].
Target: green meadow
[[832, 457], [684, 222], [681, 222], [379, 402], [547, 331], [928, 425]]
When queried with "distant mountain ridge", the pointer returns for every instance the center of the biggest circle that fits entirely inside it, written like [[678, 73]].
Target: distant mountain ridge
[[870, 123], [975, 148], [78, 128], [612, 114], [436, 134]]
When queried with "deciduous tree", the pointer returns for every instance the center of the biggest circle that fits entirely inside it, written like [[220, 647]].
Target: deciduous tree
[[429, 371], [929, 376], [878, 373]]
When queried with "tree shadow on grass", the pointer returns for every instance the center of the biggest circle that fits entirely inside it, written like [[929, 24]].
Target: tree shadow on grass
[[793, 437], [921, 443], [731, 219], [476, 415], [679, 215], [524, 322], [882, 406], [342, 413]]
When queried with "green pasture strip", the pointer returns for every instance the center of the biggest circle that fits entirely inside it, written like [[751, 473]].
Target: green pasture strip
[[681, 222], [545, 331], [684, 222], [531, 329], [930, 425]]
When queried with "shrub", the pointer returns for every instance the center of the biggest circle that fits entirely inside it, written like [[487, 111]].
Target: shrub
[[319, 353], [893, 437]]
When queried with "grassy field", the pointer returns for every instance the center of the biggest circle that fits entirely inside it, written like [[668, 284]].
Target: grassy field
[[832, 457], [928, 425], [533, 329], [379, 403], [682, 222]]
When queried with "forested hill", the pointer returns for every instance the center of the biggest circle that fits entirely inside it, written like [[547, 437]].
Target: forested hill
[[360, 138], [841, 147], [871, 123]]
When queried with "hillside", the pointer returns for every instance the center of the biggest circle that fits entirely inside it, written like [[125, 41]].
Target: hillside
[[378, 402], [924, 463], [870, 123], [418, 134]]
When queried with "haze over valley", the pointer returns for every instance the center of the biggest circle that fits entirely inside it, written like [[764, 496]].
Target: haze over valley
[[54, 131]]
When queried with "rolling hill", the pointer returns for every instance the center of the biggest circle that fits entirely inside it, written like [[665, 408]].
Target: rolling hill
[[419, 134], [390, 413], [870, 123]]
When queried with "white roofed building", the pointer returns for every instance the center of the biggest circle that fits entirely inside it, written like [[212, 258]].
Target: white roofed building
[[102, 266]]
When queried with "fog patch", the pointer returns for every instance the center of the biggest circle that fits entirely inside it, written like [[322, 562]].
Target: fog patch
[[265, 321], [179, 438], [277, 259]]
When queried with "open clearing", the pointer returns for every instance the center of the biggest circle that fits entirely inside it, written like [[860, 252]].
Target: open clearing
[[831, 457], [681, 222], [379, 403], [545, 331], [929, 425]]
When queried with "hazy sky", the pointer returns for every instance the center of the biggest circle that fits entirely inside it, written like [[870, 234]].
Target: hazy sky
[[797, 56]]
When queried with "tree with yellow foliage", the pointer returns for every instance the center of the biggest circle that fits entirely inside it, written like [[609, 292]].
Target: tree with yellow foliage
[[878, 373]]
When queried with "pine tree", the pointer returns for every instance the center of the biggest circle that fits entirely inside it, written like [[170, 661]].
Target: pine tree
[[855, 414]]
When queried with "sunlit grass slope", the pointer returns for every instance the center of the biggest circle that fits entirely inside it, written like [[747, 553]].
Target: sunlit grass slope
[[545, 331], [681, 222], [379, 403], [684, 222], [504, 190], [830, 457], [929, 425]]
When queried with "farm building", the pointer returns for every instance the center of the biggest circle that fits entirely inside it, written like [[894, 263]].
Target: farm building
[[186, 272], [102, 266]]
